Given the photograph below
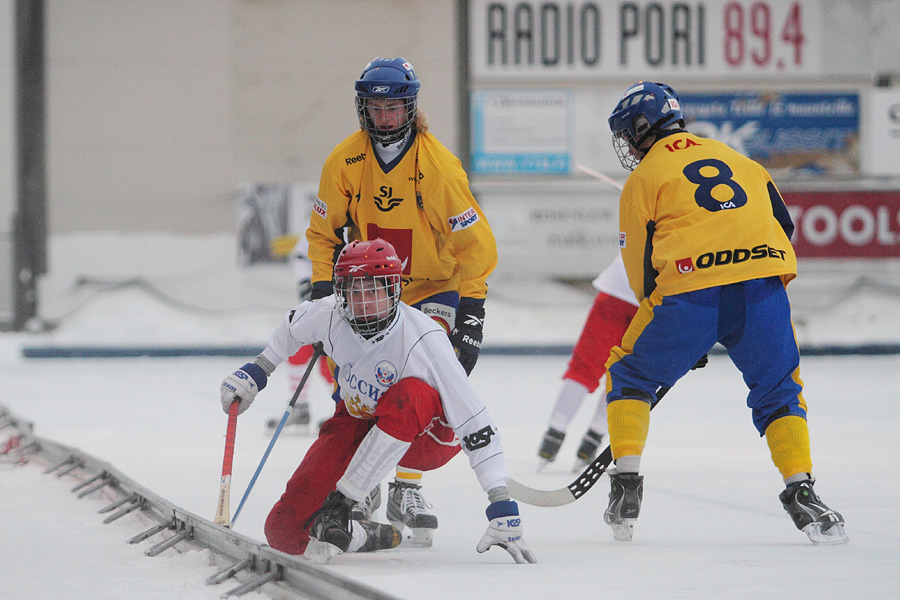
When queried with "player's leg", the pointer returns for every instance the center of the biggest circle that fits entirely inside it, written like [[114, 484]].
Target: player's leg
[[606, 322], [288, 523], [663, 342], [300, 415], [760, 341], [412, 410]]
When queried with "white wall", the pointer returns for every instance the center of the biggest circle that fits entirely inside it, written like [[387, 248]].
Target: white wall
[[158, 110]]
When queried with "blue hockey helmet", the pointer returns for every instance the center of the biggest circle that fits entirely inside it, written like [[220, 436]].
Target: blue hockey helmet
[[386, 95], [644, 110]]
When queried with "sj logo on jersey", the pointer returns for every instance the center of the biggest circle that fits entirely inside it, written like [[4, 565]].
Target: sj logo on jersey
[[684, 265]]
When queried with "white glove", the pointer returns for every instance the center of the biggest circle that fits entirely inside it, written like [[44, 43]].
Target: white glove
[[505, 530], [242, 386]]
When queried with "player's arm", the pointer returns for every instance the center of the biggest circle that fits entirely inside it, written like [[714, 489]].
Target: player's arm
[[480, 441], [779, 209], [475, 249], [635, 242], [326, 225]]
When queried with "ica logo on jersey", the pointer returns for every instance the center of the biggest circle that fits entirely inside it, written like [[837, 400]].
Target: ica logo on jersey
[[680, 145]]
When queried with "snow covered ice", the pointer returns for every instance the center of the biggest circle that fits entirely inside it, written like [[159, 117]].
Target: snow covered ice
[[711, 525]]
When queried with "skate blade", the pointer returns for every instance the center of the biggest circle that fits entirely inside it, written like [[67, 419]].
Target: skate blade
[[623, 532], [542, 464], [419, 538], [832, 536], [320, 552]]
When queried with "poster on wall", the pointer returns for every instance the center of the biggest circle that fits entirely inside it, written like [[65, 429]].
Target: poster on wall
[[270, 218], [794, 135], [521, 131], [884, 133]]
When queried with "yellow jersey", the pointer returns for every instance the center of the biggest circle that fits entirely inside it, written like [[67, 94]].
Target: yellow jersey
[[420, 203], [696, 213]]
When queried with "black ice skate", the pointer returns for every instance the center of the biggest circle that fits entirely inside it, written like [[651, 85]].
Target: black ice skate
[[587, 451], [406, 507], [379, 536], [297, 421], [330, 532], [811, 516], [625, 493], [363, 510], [553, 439]]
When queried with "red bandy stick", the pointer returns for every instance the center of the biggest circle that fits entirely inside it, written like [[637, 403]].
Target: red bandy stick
[[222, 510]]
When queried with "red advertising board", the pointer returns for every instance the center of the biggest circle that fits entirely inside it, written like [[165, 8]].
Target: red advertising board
[[851, 224]]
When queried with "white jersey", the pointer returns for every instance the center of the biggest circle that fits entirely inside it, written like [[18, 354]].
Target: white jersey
[[614, 281], [413, 345], [300, 259]]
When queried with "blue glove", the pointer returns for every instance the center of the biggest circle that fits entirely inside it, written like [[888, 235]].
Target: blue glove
[[242, 386], [505, 531], [467, 332], [320, 289]]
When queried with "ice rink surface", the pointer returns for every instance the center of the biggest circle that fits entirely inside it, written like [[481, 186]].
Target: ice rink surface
[[711, 526]]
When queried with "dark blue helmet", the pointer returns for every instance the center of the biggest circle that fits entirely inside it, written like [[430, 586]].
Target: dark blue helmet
[[386, 95], [644, 110]]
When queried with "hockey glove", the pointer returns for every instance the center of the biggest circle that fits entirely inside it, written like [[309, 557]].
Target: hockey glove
[[320, 289], [304, 290], [467, 334], [242, 386], [505, 531]]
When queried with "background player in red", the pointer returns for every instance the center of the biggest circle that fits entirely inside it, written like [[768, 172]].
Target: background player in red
[[609, 317]]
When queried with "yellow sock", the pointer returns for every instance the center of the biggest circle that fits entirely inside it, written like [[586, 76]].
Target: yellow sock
[[408, 475], [788, 440], [629, 423]]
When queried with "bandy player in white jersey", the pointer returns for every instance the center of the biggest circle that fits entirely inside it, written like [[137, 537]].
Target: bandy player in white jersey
[[403, 394]]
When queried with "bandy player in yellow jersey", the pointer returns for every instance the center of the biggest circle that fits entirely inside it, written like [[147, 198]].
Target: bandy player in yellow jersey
[[705, 238], [394, 180]]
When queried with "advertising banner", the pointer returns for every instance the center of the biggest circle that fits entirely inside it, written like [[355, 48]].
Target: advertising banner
[[792, 135], [610, 38], [884, 132], [845, 224], [521, 131]]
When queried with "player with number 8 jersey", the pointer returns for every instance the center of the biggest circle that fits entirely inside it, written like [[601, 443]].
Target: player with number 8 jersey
[[705, 238], [724, 231]]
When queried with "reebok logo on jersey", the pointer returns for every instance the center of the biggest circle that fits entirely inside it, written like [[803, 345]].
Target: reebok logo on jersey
[[479, 439], [320, 208], [463, 220], [355, 159], [684, 265]]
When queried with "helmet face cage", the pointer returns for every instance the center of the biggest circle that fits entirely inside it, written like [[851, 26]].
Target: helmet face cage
[[367, 285], [368, 303], [644, 110], [386, 99]]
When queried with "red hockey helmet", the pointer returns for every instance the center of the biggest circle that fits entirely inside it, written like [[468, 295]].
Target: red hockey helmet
[[367, 284]]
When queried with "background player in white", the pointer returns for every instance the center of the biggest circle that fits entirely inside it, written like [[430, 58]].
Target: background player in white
[[300, 415], [403, 394]]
